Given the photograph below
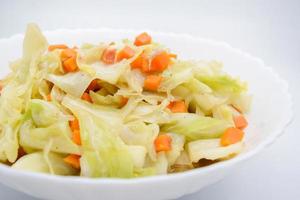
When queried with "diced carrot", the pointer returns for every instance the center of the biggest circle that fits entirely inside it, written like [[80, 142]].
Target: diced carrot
[[70, 65], [109, 55], [67, 53], [125, 53], [177, 106], [57, 46], [76, 137], [152, 82], [240, 122], [163, 143], [141, 62], [160, 62], [74, 124], [48, 97], [123, 101], [73, 160], [231, 136], [93, 86], [172, 55], [142, 39], [87, 97]]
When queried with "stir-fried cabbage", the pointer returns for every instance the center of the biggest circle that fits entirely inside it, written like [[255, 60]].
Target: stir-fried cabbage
[[119, 109]]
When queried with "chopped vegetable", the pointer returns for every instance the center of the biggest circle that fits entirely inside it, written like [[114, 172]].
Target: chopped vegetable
[[177, 106], [240, 122], [163, 143], [73, 160], [70, 64], [123, 109], [160, 62], [142, 39], [231, 136], [141, 62], [152, 82], [125, 53], [57, 46], [87, 97], [109, 55]]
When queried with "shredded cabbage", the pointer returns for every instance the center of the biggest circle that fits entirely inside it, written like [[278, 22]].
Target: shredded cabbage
[[131, 112]]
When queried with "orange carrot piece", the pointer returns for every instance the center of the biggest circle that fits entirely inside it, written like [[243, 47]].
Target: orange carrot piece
[[141, 62], [152, 82], [123, 101], [87, 97], [125, 53], [48, 97], [240, 122], [70, 65], [177, 107], [93, 86], [172, 55], [163, 143], [73, 160], [67, 53], [109, 55], [231, 136], [142, 39], [57, 46], [76, 136], [160, 62], [74, 124]]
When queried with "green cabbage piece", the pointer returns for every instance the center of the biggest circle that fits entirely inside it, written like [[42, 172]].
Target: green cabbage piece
[[139, 133], [195, 127], [211, 149], [224, 84], [72, 83], [36, 162], [43, 122], [104, 154], [17, 92]]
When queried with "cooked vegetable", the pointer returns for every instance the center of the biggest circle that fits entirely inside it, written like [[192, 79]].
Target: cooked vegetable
[[57, 46], [152, 82], [240, 122], [142, 39], [123, 109], [231, 136]]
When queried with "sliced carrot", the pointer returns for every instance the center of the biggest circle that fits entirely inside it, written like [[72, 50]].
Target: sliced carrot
[[142, 39], [67, 53], [163, 143], [57, 46], [125, 53], [73, 160], [172, 55], [48, 97], [160, 62], [74, 124], [87, 97], [141, 62], [240, 122], [109, 55], [76, 137], [93, 86], [231, 136], [177, 107], [70, 65], [123, 101], [152, 82]]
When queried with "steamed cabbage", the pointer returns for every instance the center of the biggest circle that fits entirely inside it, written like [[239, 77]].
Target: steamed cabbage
[[120, 109]]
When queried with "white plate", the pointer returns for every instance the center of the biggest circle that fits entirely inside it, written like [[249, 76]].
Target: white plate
[[270, 114]]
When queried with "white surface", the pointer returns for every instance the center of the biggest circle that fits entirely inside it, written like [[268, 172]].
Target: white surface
[[267, 122], [267, 29]]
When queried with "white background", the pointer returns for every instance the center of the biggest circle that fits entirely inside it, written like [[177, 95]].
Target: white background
[[269, 29]]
